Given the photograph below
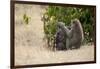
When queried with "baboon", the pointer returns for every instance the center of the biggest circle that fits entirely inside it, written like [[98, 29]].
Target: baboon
[[67, 34], [60, 38], [76, 34]]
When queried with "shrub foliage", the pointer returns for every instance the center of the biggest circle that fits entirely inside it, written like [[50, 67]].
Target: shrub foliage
[[56, 14]]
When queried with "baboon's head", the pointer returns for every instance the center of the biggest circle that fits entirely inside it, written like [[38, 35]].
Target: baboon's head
[[75, 23], [60, 24]]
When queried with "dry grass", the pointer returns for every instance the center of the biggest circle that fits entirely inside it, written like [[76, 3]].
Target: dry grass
[[40, 55], [30, 48]]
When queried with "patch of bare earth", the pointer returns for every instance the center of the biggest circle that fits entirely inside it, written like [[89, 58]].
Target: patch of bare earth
[[30, 48]]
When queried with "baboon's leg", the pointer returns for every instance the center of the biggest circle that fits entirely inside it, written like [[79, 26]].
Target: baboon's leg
[[77, 46], [67, 43], [59, 46], [72, 42]]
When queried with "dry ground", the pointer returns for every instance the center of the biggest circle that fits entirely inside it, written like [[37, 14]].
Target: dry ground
[[30, 48]]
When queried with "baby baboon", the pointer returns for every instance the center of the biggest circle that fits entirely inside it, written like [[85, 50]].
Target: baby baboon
[[76, 34]]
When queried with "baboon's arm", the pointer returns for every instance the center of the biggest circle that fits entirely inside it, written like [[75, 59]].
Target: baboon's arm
[[67, 31]]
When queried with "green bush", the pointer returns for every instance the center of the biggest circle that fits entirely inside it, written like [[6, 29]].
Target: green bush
[[56, 14]]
